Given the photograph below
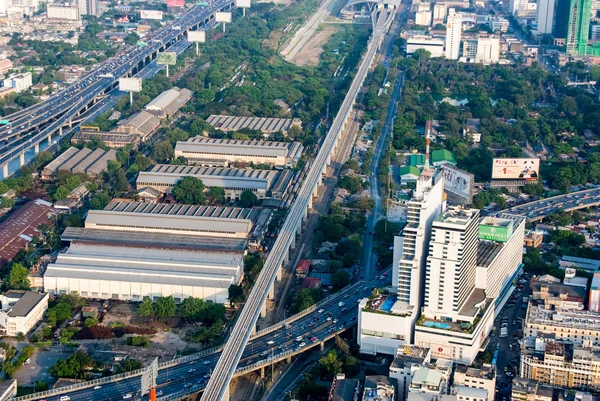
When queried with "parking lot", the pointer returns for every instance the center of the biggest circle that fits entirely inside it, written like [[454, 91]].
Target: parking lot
[[506, 348]]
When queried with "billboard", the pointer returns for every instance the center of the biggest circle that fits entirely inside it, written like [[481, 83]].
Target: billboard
[[151, 14], [242, 3], [223, 17], [516, 169], [130, 84], [175, 3], [494, 233], [125, 19], [196, 36], [458, 185], [167, 58]]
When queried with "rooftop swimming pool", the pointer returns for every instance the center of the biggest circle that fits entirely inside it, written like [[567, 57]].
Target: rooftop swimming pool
[[387, 305], [437, 325]]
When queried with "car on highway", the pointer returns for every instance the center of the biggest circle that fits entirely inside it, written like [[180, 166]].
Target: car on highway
[[127, 396], [191, 370], [298, 339], [187, 385], [98, 387], [321, 310]]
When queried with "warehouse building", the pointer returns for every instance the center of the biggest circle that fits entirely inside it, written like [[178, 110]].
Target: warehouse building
[[267, 126], [169, 102], [131, 250], [143, 124], [201, 151], [115, 140], [92, 163], [234, 181]]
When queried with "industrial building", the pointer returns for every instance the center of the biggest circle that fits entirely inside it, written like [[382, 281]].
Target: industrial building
[[267, 126], [169, 102], [203, 151], [234, 181], [21, 311], [92, 163], [115, 140], [143, 124], [21, 225], [131, 250]]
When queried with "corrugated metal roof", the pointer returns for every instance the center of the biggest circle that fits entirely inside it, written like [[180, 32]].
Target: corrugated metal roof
[[163, 100]]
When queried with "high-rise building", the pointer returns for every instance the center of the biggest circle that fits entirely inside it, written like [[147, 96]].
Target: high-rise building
[[386, 322], [439, 13], [20, 82], [423, 18], [545, 16], [451, 265], [561, 21], [88, 7], [63, 12], [453, 35], [578, 29]]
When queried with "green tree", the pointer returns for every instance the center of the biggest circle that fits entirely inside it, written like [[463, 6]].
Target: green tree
[[100, 201], [162, 151], [351, 183], [90, 322], [146, 308], [304, 299], [248, 199], [330, 364], [18, 278], [190, 191], [165, 307], [61, 193], [340, 279], [143, 162], [236, 293], [216, 195]]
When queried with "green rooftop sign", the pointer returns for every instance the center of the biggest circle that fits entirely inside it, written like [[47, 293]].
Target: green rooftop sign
[[4, 122], [494, 233]]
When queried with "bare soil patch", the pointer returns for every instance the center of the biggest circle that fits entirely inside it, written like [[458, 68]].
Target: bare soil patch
[[311, 51]]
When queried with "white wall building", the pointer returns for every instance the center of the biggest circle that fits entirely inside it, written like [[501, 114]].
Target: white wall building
[[453, 35], [89, 7], [20, 82], [545, 16], [423, 18], [21, 311], [439, 13], [433, 45], [488, 49], [408, 359], [64, 12]]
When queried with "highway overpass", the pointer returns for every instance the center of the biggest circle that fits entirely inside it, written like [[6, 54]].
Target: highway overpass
[[39, 122], [218, 386], [184, 376], [540, 209]]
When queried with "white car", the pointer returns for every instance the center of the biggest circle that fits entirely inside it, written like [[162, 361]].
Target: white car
[[321, 310], [97, 387], [127, 396]]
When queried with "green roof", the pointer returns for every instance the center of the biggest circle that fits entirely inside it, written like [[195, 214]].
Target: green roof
[[409, 170], [416, 160], [442, 155]]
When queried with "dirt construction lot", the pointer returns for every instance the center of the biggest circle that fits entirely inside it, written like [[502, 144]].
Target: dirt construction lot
[[311, 51]]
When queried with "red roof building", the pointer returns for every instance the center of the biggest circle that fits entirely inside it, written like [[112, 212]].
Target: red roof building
[[311, 282], [303, 268], [21, 226]]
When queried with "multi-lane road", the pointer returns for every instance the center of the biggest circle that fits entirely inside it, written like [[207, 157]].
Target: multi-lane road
[[29, 127], [329, 318], [540, 209]]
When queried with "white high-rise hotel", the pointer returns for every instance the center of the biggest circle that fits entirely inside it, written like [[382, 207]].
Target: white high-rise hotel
[[453, 35]]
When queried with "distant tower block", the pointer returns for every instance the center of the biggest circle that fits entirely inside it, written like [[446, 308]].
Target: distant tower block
[[224, 17], [196, 37], [243, 4]]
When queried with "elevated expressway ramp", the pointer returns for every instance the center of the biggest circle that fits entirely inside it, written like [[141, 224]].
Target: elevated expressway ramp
[[218, 386], [364, 8], [31, 126]]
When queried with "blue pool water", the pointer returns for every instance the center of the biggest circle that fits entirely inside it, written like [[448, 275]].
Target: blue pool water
[[387, 305], [437, 325]]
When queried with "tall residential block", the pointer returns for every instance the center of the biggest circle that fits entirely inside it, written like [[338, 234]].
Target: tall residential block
[[578, 28], [545, 16], [453, 35], [89, 7], [387, 322]]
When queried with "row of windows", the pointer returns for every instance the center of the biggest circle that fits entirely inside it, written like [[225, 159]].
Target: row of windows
[[164, 228], [228, 154], [163, 185], [382, 334]]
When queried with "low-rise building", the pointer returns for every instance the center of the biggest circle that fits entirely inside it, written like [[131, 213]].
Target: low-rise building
[[202, 151], [92, 163], [556, 294], [19, 82], [21, 311], [531, 390], [408, 359], [169, 102], [433, 45], [483, 378], [143, 124], [379, 388], [432, 379], [343, 389], [268, 126], [116, 140], [562, 363]]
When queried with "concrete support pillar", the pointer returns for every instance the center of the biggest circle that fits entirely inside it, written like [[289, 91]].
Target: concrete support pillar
[[36, 148], [22, 158], [272, 292], [328, 159], [262, 372], [315, 192], [305, 217], [226, 395], [70, 123], [299, 229], [263, 310], [310, 202], [5, 170], [293, 244], [286, 259], [289, 360], [60, 130], [322, 346], [278, 277], [253, 332], [50, 139]]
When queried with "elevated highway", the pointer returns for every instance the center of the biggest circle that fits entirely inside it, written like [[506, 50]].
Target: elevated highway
[[181, 377], [540, 209], [39, 122], [218, 386]]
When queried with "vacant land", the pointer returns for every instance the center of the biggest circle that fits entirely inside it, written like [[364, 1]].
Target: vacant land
[[311, 51]]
